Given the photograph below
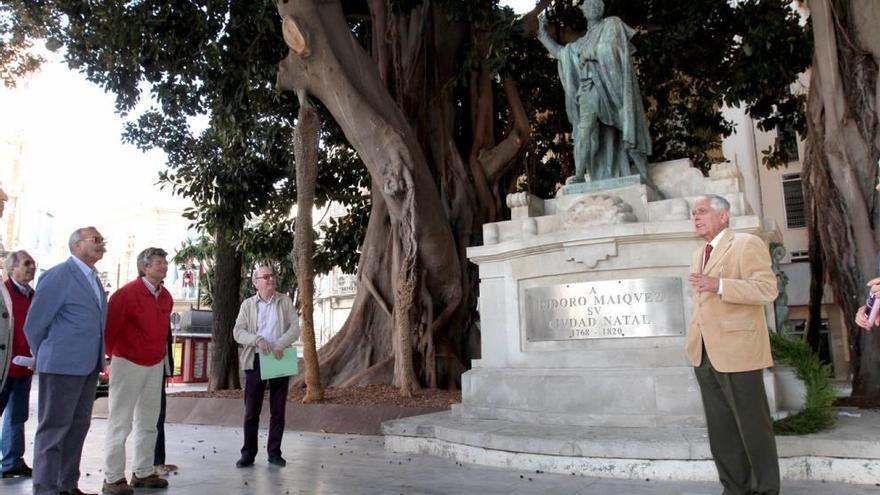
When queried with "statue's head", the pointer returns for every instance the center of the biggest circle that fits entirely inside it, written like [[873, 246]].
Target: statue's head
[[593, 9]]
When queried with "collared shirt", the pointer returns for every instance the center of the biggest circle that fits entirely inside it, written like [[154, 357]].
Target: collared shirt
[[154, 289], [267, 318], [25, 289], [715, 241], [91, 276]]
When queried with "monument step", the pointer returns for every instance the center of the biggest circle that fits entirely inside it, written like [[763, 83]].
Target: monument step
[[847, 453], [623, 397]]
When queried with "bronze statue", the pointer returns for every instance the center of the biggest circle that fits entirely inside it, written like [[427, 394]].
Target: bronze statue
[[602, 97]]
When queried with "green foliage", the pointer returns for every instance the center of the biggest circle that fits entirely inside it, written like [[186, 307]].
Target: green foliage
[[17, 58], [818, 413], [207, 70], [201, 251]]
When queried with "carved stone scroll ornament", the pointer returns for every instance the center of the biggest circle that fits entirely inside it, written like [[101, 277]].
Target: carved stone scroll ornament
[[600, 209]]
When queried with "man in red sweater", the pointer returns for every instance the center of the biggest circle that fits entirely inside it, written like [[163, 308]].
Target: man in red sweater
[[138, 316], [17, 389]]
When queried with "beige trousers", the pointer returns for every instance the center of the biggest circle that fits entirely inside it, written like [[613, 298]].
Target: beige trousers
[[135, 399]]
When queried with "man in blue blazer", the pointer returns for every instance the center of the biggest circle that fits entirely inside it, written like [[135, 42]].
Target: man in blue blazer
[[65, 328]]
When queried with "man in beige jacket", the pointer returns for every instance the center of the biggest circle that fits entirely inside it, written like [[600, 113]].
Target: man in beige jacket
[[267, 323], [729, 346]]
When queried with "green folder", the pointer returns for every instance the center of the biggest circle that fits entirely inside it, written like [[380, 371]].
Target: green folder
[[274, 368]]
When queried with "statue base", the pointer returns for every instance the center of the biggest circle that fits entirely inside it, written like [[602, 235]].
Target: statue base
[[592, 186]]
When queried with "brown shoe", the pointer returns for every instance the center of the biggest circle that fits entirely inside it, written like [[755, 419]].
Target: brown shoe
[[118, 487], [151, 481]]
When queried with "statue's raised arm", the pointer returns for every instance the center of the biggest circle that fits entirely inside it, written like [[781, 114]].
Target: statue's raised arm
[[602, 98], [544, 37]]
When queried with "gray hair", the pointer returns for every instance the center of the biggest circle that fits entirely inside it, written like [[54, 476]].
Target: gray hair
[[717, 202], [143, 259], [257, 268], [77, 236], [15, 257]]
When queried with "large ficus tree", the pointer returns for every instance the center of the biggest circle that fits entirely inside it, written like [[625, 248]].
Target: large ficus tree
[[448, 104]]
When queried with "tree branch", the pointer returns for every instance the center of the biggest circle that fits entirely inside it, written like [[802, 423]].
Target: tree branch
[[295, 36], [482, 95], [495, 161]]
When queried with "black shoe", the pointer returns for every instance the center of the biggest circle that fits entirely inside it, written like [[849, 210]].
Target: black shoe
[[22, 471], [277, 460], [244, 462]]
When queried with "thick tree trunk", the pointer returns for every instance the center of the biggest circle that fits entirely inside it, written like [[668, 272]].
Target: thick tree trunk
[[817, 283], [840, 169], [397, 110], [326, 61], [306, 151], [224, 354]]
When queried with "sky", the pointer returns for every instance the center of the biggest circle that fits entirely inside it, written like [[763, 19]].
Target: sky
[[519, 6], [74, 158]]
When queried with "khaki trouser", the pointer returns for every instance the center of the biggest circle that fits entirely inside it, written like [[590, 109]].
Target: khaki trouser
[[135, 399]]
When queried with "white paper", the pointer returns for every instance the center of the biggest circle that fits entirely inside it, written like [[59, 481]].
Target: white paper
[[26, 361]]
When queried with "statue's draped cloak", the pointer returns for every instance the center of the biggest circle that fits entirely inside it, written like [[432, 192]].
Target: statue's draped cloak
[[620, 103]]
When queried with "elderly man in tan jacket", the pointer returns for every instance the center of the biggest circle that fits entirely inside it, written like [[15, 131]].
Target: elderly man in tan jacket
[[267, 323], [729, 346]]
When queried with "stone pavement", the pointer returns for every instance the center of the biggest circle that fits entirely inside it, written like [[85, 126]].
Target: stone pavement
[[331, 464]]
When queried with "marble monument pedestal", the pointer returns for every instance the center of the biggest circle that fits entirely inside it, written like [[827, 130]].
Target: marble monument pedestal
[[592, 361], [584, 304]]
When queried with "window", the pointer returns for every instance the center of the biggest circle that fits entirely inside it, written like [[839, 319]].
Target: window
[[798, 256], [793, 200]]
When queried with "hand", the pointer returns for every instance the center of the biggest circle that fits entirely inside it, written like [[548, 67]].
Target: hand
[[862, 320], [263, 346], [278, 353], [542, 22], [703, 283], [874, 284]]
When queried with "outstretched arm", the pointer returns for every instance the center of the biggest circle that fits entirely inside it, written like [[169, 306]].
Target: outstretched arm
[[544, 37]]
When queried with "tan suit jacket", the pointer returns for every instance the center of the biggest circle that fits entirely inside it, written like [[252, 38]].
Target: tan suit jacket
[[732, 325]]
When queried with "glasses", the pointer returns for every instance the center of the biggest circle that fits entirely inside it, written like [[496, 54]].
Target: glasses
[[270, 276], [96, 239]]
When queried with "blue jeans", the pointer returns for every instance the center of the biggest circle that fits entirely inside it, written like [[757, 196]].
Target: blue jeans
[[14, 401]]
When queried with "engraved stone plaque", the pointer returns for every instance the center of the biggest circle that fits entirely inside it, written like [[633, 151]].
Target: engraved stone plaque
[[644, 307]]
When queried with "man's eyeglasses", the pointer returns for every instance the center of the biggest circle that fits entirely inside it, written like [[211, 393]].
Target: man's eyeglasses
[[96, 239], [270, 276]]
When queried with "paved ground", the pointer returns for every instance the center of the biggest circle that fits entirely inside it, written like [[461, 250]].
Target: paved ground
[[330, 464]]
